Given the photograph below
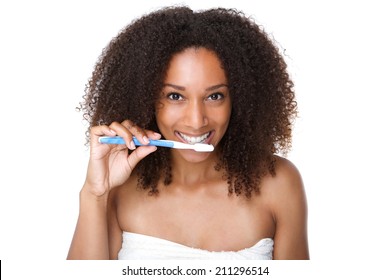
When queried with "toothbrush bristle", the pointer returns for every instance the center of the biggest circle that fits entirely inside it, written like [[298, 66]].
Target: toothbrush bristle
[[203, 147]]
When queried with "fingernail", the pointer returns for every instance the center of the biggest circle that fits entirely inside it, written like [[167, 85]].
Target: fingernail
[[157, 134], [146, 139], [132, 146]]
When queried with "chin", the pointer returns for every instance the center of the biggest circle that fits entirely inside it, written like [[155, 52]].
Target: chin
[[192, 156]]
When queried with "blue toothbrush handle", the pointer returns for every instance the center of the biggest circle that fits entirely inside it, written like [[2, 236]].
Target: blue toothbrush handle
[[111, 140], [119, 140], [159, 143]]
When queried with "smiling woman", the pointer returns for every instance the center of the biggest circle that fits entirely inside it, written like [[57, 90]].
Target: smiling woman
[[211, 77], [195, 104]]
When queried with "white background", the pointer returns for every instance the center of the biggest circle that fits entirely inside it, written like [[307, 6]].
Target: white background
[[338, 56]]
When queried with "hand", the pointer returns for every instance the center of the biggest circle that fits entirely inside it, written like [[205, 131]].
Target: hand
[[111, 165]]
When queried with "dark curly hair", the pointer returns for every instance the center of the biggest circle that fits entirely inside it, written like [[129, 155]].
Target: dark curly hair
[[129, 75]]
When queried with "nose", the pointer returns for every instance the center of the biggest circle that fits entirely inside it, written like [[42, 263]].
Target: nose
[[196, 115]]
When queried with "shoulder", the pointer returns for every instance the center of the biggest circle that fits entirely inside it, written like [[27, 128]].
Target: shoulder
[[284, 190], [287, 176], [286, 199]]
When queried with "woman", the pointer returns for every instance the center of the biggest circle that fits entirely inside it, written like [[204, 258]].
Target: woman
[[212, 77]]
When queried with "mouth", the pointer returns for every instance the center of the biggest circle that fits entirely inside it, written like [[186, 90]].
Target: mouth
[[204, 138]]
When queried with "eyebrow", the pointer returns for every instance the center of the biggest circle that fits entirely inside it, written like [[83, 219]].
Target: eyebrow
[[207, 89]]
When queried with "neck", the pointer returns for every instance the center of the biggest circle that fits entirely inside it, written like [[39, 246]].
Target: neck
[[194, 173]]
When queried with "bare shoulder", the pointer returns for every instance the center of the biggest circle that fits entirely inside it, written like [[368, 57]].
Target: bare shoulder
[[286, 182], [286, 198]]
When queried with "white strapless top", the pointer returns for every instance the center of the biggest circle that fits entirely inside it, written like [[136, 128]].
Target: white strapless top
[[143, 247]]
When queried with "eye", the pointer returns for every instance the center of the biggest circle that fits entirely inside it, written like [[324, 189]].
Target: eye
[[174, 96], [216, 96]]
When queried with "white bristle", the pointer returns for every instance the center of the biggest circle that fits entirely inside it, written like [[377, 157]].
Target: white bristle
[[203, 147]]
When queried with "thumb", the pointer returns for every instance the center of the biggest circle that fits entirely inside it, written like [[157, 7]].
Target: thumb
[[138, 154]]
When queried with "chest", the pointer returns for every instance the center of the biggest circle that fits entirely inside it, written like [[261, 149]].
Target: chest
[[211, 222]]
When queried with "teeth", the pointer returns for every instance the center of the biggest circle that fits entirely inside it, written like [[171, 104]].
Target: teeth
[[194, 140]]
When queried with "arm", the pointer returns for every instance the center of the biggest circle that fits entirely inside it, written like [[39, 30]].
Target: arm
[[109, 166], [90, 240], [290, 214], [114, 230]]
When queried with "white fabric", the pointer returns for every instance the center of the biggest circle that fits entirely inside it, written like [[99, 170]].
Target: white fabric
[[141, 247]]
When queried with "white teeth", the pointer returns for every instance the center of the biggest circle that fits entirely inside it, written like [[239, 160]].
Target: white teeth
[[194, 140]]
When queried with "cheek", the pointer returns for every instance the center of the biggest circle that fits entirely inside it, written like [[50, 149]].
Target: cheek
[[165, 116], [223, 116], [224, 121]]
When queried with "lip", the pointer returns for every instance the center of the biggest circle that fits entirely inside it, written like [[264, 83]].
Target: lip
[[206, 141]]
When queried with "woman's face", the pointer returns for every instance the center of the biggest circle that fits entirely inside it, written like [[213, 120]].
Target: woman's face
[[195, 104]]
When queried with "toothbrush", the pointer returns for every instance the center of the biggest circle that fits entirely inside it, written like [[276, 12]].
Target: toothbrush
[[199, 147]]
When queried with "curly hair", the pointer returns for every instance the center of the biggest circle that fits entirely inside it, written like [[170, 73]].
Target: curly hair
[[129, 75]]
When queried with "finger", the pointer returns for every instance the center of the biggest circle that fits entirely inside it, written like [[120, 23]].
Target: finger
[[128, 124], [100, 130], [136, 131], [153, 135], [138, 154], [124, 132]]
